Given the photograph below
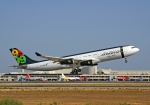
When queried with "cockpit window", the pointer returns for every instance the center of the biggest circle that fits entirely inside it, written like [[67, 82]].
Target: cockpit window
[[132, 47]]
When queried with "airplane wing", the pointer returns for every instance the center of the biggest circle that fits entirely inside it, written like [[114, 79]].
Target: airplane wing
[[58, 59], [55, 59]]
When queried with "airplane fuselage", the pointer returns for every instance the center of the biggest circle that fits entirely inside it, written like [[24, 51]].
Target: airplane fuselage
[[97, 55]]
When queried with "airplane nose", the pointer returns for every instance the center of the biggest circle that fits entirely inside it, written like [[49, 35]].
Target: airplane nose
[[137, 49]]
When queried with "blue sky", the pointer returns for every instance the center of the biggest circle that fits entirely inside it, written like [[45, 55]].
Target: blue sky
[[64, 27]]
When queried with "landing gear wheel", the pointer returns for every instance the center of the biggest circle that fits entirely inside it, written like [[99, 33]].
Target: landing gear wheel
[[126, 61], [75, 71], [79, 70]]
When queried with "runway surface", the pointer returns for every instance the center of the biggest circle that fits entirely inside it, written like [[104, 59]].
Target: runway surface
[[74, 82], [80, 87], [76, 85]]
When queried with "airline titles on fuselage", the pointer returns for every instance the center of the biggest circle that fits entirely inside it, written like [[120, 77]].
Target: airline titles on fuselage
[[110, 53]]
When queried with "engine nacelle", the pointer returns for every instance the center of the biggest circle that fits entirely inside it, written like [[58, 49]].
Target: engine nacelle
[[87, 63], [67, 61]]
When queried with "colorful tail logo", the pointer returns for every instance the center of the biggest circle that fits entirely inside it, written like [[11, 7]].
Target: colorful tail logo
[[18, 55]]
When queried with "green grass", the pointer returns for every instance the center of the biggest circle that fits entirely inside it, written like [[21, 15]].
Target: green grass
[[8, 101]]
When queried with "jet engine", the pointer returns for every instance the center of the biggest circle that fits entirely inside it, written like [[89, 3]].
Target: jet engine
[[87, 63], [67, 61]]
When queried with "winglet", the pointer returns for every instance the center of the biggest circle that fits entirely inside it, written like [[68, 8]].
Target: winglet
[[37, 54]]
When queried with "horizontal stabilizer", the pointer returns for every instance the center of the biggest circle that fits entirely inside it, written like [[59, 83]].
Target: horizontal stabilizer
[[18, 66]]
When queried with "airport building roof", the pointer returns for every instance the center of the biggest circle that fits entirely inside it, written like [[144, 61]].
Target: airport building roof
[[124, 72]]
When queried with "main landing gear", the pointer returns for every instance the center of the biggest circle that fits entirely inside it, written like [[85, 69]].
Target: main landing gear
[[126, 61], [75, 71]]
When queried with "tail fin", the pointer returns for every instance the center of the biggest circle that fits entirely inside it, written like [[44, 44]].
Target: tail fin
[[20, 57], [27, 75], [63, 75]]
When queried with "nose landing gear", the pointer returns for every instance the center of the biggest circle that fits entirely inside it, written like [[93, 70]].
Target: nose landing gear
[[126, 61]]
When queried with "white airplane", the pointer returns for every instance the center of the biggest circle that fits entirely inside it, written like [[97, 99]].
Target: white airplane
[[64, 78], [75, 61], [28, 77]]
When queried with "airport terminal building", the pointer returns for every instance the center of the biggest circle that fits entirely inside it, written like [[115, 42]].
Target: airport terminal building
[[87, 74]]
